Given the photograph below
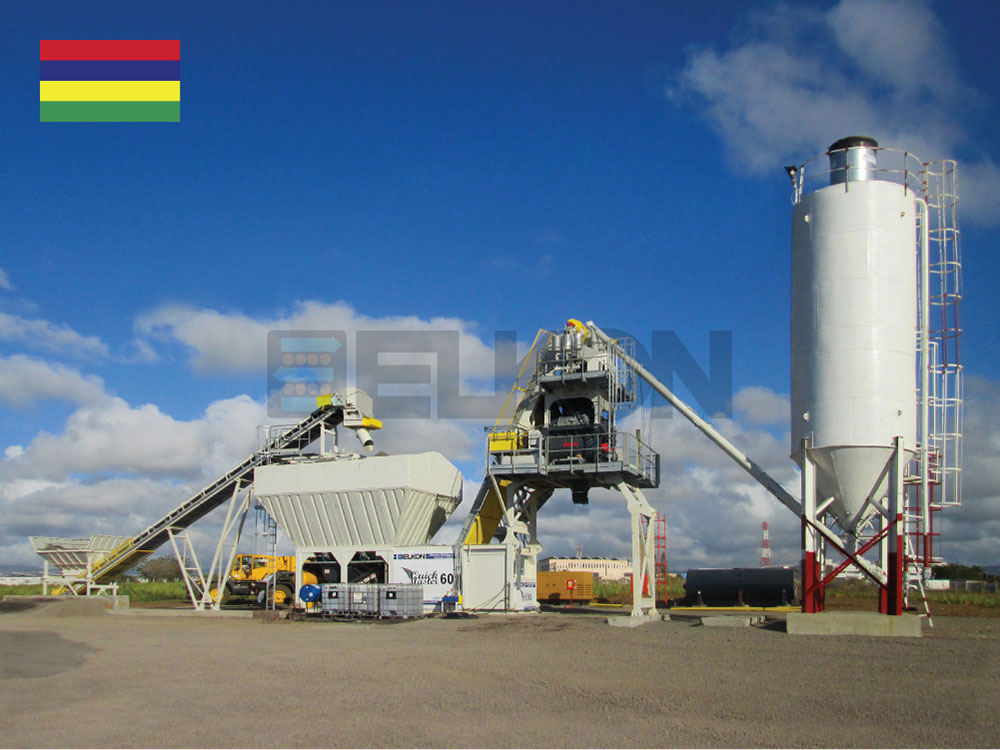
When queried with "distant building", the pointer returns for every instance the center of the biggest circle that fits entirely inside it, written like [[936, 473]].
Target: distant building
[[607, 568]]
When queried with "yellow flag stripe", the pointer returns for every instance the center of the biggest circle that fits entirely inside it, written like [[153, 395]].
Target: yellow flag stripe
[[109, 91]]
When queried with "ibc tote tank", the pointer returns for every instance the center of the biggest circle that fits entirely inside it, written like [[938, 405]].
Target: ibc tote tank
[[853, 326]]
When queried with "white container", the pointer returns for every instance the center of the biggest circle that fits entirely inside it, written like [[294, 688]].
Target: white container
[[853, 335]]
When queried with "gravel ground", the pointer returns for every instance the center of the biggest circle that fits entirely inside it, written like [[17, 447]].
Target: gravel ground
[[552, 679]]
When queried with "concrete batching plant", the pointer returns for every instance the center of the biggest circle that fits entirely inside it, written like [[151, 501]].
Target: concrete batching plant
[[876, 399]]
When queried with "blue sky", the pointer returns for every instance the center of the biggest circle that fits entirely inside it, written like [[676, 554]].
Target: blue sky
[[472, 166]]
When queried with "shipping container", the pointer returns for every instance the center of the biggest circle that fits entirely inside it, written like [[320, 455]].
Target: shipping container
[[552, 586]]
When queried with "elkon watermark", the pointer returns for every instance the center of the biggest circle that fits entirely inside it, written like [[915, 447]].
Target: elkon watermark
[[421, 374]]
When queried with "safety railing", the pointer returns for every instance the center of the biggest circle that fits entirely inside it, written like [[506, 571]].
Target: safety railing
[[516, 450], [893, 165]]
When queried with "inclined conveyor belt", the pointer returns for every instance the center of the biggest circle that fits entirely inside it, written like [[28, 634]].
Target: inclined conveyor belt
[[297, 439]]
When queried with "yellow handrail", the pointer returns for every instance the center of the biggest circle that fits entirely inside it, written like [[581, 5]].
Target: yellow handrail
[[524, 363]]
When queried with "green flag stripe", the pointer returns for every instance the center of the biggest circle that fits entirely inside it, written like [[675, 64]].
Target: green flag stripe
[[109, 111]]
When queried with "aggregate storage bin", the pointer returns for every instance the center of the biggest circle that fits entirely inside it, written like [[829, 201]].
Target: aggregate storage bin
[[401, 600]]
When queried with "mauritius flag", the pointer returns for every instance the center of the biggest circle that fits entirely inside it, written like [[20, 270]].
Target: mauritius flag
[[101, 80]]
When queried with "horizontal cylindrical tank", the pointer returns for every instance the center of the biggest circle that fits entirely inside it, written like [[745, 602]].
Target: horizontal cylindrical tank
[[310, 592], [729, 587], [853, 334]]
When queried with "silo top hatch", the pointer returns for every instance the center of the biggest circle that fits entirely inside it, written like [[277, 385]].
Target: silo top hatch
[[853, 159]]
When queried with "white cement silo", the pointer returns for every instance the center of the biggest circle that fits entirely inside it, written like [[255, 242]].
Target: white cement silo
[[853, 327]]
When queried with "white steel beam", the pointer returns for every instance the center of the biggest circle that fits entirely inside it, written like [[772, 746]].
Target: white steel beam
[[643, 562]]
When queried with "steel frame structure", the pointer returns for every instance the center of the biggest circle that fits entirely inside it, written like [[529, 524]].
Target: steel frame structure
[[887, 512], [525, 465]]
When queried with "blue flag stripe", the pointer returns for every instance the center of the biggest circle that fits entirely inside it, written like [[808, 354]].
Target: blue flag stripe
[[110, 70]]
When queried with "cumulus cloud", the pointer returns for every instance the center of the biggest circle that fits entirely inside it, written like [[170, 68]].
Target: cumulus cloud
[[762, 406], [51, 337], [116, 468], [971, 533], [113, 437], [5, 281], [418, 367], [24, 380], [715, 510], [72, 484], [235, 342], [794, 80]]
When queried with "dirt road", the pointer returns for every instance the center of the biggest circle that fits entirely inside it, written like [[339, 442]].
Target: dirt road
[[500, 680]]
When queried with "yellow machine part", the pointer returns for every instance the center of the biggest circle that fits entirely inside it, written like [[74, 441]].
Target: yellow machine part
[[508, 440], [580, 327], [261, 566], [488, 520]]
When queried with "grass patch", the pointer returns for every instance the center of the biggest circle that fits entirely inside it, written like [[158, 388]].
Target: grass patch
[[861, 594], [620, 592], [153, 591], [23, 590], [134, 590], [963, 598]]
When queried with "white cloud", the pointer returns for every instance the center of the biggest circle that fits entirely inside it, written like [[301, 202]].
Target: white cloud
[[799, 80], [112, 437], [715, 510], [115, 469], [978, 188], [378, 352], [762, 406], [25, 379], [235, 342], [5, 281], [458, 439], [895, 42], [52, 337], [69, 484]]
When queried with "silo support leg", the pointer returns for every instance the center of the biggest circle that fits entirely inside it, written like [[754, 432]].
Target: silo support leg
[[813, 599], [643, 560], [892, 601]]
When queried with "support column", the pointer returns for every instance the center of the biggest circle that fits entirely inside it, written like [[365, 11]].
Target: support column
[[896, 543], [643, 560], [812, 574]]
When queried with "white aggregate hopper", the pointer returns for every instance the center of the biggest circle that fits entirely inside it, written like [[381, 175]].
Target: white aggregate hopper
[[71, 555], [380, 500]]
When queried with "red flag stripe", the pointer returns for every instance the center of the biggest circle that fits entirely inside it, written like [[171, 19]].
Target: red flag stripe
[[110, 49]]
